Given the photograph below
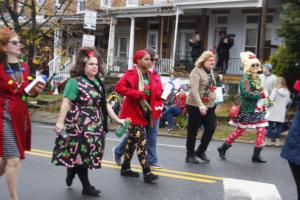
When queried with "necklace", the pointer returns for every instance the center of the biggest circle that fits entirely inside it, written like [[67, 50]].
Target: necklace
[[19, 81]]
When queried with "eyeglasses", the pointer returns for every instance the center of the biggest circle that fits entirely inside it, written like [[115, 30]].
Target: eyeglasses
[[15, 42], [152, 60], [255, 65]]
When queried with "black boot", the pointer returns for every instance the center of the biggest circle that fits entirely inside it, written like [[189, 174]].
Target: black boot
[[87, 188], [71, 172], [256, 155], [148, 176], [202, 156], [191, 159], [126, 171], [222, 150]]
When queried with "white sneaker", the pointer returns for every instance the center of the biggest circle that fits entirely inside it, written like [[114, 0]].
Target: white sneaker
[[156, 166]]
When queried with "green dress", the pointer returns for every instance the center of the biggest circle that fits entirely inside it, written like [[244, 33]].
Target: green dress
[[85, 140]]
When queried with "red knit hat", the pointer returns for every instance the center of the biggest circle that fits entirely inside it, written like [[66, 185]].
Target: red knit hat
[[138, 54], [297, 86]]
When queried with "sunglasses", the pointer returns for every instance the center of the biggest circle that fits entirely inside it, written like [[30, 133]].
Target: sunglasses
[[255, 65], [154, 60], [15, 42]]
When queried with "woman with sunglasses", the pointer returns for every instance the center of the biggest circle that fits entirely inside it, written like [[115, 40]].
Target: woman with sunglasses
[[15, 131], [252, 109], [138, 85]]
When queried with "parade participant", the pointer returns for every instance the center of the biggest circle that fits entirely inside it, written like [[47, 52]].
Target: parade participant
[[251, 115], [280, 98], [201, 107], [138, 85], [151, 132], [291, 148], [82, 123], [15, 130], [268, 78]]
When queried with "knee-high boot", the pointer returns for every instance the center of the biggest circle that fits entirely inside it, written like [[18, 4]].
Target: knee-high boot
[[256, 155], [222, 150]]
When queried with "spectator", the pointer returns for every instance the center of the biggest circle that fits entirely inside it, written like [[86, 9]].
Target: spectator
[[280, 97], [291, 148], [268, 78], [223, 48], [197, 47], [15, 129], [176, 109], [83, 116]]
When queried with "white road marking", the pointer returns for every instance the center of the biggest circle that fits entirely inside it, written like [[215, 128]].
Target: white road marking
[[237, 189]]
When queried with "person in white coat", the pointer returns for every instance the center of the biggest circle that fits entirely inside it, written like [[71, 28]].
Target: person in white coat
[[280, 97]]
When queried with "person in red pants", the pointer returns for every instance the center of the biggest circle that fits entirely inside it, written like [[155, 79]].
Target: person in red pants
[[252, 110]]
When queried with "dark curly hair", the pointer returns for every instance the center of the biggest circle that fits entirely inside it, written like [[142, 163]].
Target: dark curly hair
[[81, 59]]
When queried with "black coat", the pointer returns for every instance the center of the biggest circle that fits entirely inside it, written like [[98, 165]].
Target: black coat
[[223, 49], [197, 49]]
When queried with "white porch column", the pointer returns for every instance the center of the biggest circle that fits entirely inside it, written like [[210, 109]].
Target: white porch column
[[57, 43], [178, 11], [131, 43], [111, 45]]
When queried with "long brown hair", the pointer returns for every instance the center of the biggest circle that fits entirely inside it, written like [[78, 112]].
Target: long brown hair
[[5, 35], [82, 57]]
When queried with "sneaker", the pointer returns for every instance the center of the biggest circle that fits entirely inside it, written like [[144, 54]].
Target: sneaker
[[90, 191], [149, 178], [116, 157], [129, 173], [155, 166]]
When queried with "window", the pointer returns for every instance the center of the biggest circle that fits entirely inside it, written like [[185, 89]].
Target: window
[[251, 40], [132, 2], [80, 5], [254, 19], [106, 3], [221, 20], [121, 48], [152, 39], [183, 45]]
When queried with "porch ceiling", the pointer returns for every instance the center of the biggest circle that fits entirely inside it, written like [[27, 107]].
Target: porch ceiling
[[194, 4], [147, 11]]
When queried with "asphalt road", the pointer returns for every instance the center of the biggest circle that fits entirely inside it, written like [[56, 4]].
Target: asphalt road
[[39, 179]]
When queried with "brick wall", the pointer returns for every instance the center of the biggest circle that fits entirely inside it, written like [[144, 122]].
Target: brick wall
[[118, 3]]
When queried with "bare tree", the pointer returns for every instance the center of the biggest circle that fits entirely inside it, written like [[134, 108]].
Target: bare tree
[[34, 20]]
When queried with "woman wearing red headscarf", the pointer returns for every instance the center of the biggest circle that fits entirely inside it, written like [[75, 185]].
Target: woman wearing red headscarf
[[137, 85]]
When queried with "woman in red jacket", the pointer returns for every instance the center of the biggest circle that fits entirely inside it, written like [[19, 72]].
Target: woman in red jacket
[[137, 85], [15, 131]]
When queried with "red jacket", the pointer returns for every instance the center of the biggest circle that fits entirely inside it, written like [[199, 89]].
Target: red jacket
[[17, 109], [128, 86], [158, 107]]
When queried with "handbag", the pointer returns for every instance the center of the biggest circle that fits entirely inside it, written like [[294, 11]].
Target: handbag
[[234, 111], [219, 95]]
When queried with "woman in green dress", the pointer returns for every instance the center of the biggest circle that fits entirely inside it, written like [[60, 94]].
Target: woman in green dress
[[82, 123]]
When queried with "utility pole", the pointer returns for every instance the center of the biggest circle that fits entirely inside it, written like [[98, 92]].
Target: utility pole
[[263, 28]]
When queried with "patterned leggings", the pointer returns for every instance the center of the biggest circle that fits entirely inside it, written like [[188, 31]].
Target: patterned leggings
[[261, 132], [136, 140]]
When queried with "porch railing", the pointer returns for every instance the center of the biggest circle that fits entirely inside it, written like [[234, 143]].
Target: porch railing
[[120, 65]]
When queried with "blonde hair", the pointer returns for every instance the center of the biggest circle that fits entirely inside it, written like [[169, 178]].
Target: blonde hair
[[247, 59], [280, 83], [204, 56]]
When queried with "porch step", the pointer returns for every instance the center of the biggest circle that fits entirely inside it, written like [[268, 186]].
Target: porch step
[[227, 78]]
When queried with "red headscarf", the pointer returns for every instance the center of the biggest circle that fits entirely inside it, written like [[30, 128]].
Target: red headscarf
[[297, 86], [139, 54]]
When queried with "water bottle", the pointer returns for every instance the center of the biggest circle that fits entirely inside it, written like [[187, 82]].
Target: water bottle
[[30, 88], [121, 130]]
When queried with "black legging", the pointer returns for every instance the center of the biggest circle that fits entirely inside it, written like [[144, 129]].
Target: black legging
[[296, 173]]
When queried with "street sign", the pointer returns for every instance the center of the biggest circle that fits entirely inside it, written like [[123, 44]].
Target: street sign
[[90, 20], [88, 40]]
